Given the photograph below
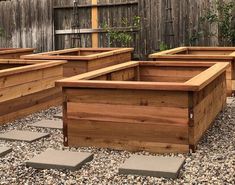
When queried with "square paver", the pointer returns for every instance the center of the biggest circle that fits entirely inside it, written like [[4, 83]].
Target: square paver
[[55, 124], [229, 100], [167, 167], [53, 159], [20, 135], [4, 151], [59, 115]]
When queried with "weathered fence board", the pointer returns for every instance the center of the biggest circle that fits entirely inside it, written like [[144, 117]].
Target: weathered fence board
[[27, 23]]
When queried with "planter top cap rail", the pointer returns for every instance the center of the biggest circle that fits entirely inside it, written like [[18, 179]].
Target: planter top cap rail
[[196, 83], [226, 53], [26, 65], [78, 53], [4, 51]]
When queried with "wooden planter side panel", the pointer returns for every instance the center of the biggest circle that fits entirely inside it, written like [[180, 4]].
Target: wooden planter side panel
[[108, 61], [207, 104], [168, 74], [156, 121], [230, 75], [15, 55], [230, 79], [23, 92], [23, 106], [74, 67], [208, 52], [22, 84]]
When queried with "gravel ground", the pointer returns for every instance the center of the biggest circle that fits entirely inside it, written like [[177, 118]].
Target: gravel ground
[[213, 162]]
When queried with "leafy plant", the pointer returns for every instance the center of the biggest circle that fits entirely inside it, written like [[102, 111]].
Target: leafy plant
[[121, 37], [163, 46], [195, 35], [222, 18]]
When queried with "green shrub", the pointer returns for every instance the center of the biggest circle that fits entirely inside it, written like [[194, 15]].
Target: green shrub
[[120, 37], [223, 19]]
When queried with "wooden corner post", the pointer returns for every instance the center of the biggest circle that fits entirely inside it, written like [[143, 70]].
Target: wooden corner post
[[65, 122], [94, 23]]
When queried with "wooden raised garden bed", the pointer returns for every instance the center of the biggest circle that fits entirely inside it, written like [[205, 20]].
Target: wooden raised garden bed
[[202, 54], [81, 60], [14, 52], [27, 87], [153, 106]]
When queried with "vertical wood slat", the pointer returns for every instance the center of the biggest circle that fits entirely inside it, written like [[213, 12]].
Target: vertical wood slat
[[94, 23]]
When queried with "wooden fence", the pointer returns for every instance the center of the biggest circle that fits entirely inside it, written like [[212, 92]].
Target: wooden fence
[[27, 23], [46, 24]]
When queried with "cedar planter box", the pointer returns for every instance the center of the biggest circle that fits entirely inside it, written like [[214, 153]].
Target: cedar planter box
[[203, 54], [81, 60], [15, 52], [152, 106], [27, 87]]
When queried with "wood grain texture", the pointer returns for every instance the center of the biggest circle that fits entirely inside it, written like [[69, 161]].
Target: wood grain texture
[[194, 53], [205, 108], [15, 52], [34, 29], [195, 83], [94, 23], [23, 106], [133, 114], [202, 54], [28, 88], [25, 26], [82, 60], [133, 145], [140, 117]]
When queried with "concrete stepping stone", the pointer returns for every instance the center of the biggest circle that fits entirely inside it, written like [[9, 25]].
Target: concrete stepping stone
[[229, 100], [59, 115], [20, 135], [4, 151], [167, 167], [53, 159], [55, 124]]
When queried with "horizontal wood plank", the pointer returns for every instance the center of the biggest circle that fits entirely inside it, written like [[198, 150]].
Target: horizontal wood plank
[[128, 97], [130, 145], [127, 113], [176, 134], [27, 88]]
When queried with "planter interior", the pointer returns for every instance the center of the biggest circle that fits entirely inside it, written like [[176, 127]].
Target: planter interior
[[202, 54]]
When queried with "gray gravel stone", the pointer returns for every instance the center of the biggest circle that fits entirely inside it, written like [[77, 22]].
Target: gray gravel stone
[[212, 163], [59, 115]]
